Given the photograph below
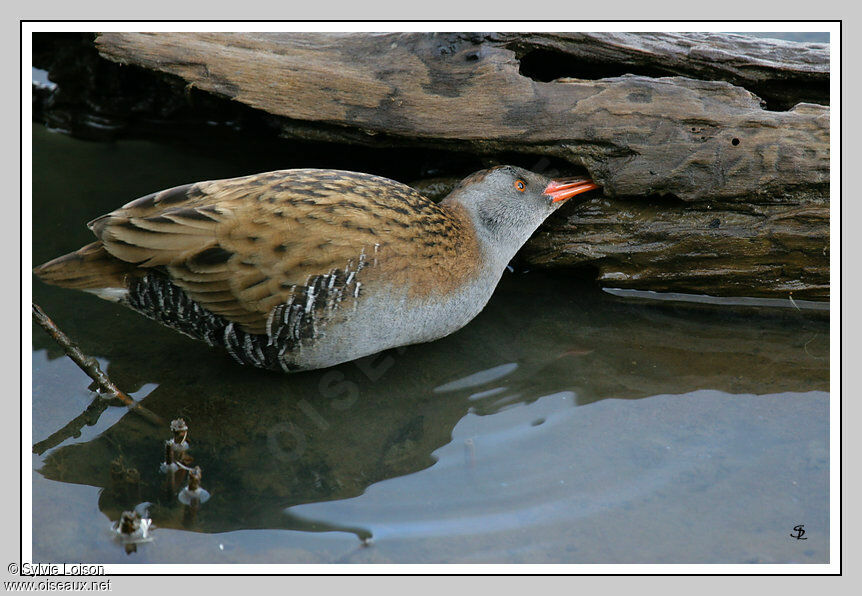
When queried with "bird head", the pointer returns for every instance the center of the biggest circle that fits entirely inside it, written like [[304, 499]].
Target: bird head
[[507, 203]]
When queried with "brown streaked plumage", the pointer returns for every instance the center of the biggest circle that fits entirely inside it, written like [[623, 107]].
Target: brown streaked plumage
[[306, 268]]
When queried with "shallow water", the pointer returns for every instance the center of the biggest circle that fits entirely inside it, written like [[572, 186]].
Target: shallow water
[[564, 424]]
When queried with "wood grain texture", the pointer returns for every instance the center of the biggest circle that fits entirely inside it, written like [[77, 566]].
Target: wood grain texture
[[781, 72], [635, 135], [719, 249], [663, 131]]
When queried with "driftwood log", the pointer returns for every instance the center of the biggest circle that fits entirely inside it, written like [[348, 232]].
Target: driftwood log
[[712, 150]]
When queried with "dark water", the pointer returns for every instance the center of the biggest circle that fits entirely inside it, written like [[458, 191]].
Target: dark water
[[564, 424]]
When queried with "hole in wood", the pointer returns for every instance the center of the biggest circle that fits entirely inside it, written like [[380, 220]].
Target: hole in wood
[[547, 65]]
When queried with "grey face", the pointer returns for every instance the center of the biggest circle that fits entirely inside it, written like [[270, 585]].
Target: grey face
[[519, 192], [504, 180], [507, 204]]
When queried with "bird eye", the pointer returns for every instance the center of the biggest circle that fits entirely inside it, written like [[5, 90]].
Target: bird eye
[[520, 185]]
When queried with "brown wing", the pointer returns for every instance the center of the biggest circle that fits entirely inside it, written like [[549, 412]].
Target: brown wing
[[240, 247]]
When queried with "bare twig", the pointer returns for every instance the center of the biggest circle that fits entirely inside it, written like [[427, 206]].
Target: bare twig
[[90, 366]]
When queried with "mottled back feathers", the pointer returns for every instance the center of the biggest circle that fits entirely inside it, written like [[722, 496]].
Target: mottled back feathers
[[242, 247]]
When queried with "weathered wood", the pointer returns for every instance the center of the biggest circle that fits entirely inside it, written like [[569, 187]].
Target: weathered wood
[[782, 73], [717, 249], [636, 135], [762, 174]]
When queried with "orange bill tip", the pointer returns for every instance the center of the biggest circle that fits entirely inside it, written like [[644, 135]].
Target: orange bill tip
[[560, 190]]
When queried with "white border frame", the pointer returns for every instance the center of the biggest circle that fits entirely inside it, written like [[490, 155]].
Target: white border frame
[[835, 512]]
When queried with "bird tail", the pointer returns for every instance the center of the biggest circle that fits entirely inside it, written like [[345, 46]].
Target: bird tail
[[91, 268]]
